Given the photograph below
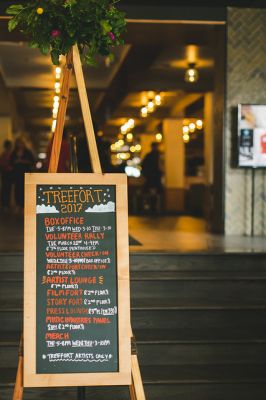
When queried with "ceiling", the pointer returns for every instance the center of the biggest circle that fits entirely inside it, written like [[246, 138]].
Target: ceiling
[[154, 59]]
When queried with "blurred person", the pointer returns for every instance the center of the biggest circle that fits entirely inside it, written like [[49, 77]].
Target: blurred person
[[105, 155], [83, 156], [6, 175], [22, 160], [64, 157], [151, 170]]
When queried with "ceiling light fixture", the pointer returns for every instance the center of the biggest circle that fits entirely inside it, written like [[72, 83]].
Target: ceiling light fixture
[[158, 137]]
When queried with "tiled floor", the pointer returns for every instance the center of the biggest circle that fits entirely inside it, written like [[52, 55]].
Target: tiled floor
[[186, 234], [181, 234]]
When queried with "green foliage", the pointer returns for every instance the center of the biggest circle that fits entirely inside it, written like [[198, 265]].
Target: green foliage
[[54, 26]]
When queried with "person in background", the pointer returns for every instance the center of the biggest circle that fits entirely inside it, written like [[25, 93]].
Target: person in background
[[151, 169], [152, 173], [64, 157], [6, 175], [83, 156], [22, 160]]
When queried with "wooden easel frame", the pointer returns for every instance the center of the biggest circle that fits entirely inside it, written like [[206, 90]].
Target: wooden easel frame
[[73, 60]]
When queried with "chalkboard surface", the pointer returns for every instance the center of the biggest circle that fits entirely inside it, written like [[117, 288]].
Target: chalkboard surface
[[76, 279]]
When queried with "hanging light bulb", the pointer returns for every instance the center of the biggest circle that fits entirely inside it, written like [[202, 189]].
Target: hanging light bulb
[[158, 137], [123, 129], [129, 137], [144, 112], [192, 127], [131, 123], [158, 99], [191, 74], [185, 129], [150, 106], [186, 137], [199, 124]]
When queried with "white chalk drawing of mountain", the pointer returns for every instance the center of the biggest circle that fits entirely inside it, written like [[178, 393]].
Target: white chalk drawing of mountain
[[108, 207], [43, 209]]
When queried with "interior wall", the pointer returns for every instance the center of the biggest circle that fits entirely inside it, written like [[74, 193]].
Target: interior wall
[[5, 115], [246, 83]]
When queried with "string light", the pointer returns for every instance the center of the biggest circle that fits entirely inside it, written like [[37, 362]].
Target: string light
[[190, 126], [130, 124], [123, 129], [138, 147], [154, 101], [57, 85], [123, 156], [53, 125]]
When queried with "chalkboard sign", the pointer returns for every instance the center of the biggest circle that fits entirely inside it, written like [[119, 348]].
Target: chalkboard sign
[[76, 312]]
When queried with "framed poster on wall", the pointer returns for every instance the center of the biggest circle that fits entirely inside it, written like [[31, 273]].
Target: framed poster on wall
[[252, 135]]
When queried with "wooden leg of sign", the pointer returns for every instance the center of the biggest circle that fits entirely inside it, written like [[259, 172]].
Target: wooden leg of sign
[[94, 155], [64, 95], [18, 389], [136, 389]]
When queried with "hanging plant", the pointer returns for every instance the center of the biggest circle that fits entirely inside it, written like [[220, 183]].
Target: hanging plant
[[54, 26]]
